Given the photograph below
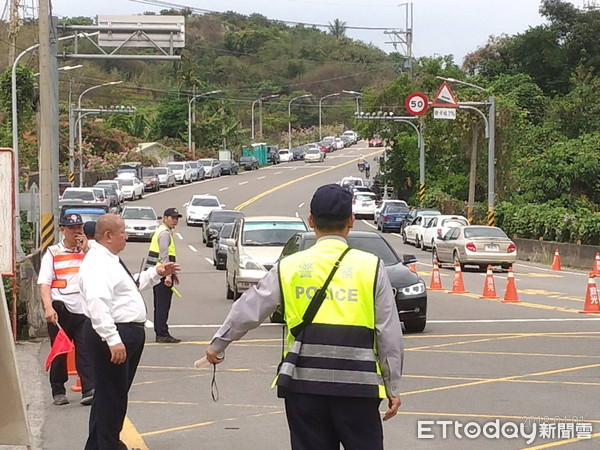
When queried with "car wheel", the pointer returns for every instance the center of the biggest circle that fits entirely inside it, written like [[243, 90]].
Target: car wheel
[[434, 256], [417, 242], [483, 267], [141, 195], [236, 294], [404, 239], [415, 325], [229, 291], [421, 243], [456, 259], [506, 266]]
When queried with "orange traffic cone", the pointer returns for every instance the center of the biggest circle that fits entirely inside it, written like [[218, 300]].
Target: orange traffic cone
[[413, 267], [556, 261], [597, 265], [510, 296], [72, 370], [489, 286], [436, 280], [458, 286], [591, 306]]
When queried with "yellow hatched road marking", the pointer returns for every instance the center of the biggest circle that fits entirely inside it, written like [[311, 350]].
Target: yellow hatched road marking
[[131, 436]]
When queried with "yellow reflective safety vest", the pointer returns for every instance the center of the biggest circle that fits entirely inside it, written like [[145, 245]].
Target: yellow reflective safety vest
[[154, 250], [336, 354]]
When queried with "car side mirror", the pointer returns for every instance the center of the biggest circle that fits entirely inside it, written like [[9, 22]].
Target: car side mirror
[[440, 238], [223, 205], [158, 217], [229, 242], [186, 204], [408, 259]]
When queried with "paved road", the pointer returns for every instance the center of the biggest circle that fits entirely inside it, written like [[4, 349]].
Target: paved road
[[477, 361]]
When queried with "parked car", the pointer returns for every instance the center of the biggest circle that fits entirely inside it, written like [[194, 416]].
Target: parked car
[[273, 155], [298, 152], [384, 203], [414, 212], [110, 194], [339, 143], [196, 169], [249, 162], [409, 290], [198, 208], [329, 142], [166, 177], [363, 204], [391, 217], [212, 167], [229, 167], [150, 179], [140, 222], [117, 185], [376, 141], [353, 135], [85, 196], [182, 171], [132, 188], [413, 233], [220, 247], [475, 245], [285, 155], [314, 155], [254, 248], [438, 226], [215, 221]]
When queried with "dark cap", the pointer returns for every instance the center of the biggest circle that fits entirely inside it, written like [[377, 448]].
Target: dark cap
[[331, 202], [71, 220], [172, 212], [89, 229]]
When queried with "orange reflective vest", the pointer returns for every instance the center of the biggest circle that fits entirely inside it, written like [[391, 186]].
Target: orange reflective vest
[[66, 269]]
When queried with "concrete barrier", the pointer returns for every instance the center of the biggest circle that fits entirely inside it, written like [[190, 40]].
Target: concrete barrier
[[571, 255]]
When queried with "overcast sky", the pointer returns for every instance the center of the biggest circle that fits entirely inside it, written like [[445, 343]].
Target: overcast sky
[[440, 26]]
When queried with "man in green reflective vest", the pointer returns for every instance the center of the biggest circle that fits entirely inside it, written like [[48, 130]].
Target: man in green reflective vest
[[162, 250], [349, 357]]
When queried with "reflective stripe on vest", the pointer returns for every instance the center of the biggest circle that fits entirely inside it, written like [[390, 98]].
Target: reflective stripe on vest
[[154, 250], [336, 354], [66, 270]]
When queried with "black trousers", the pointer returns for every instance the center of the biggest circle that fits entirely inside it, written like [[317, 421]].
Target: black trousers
[[322, 422], [112, 387], [75, 326], [162, 304]]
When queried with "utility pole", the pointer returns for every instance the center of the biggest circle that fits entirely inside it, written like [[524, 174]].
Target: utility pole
[[13, 28], [48, 128], [404, 37]]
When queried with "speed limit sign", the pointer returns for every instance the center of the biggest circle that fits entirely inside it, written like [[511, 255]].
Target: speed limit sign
[[416, 104]]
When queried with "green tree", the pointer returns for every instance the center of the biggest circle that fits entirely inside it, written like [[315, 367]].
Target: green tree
[[337, 28]]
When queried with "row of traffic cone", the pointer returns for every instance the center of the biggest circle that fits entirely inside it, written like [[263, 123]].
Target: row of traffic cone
[[591, 305], [556, 263]]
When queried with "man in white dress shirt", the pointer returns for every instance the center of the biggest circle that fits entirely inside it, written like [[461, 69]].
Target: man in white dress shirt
[[113, 302]]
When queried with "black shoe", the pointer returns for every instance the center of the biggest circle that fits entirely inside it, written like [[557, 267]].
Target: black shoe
[[168, 339], [87, 397], [60, 399]]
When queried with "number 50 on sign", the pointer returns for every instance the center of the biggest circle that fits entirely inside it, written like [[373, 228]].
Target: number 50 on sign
[[416, 104]]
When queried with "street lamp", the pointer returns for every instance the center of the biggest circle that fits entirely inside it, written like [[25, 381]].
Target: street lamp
[[358, 97], [290, 118], [259, 101], [490, 122], [321, 111], [192, 100], [72, 163]]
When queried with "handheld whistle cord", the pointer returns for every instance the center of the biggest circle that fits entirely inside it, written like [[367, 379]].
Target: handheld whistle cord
[[214, 390]]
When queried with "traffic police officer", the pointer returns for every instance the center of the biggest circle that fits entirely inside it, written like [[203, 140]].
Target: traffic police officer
[[337, 370], [63, 305], [162, 250]]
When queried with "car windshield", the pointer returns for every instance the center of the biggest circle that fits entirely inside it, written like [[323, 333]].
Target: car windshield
[[161, 171], [396, 209], [205, 202], [364, 197], [79, 195], [109, 188], [139, 214], [176, 166], [226, 163], [148, 171], [246, 159], [314, 151], [127, 181], [224, 216], [454, 223], [205, 162], [327, 141], [375, 244], [476, 232], [226, 231], [270, 233], [193, 164], [283, 152]]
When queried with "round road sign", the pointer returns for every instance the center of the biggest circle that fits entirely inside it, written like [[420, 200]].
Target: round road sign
[[416, 104]]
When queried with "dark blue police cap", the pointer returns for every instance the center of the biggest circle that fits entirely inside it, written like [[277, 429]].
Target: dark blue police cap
[[70, 220], [89, 229], [331, 202]]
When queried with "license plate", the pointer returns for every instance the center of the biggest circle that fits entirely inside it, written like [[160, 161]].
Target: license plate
[[139, 233], [366, 204], [397, 219], [492, 248]]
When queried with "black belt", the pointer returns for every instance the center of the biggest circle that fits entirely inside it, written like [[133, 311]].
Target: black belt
[[135, 324]]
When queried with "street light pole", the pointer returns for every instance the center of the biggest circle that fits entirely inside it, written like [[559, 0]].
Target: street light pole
[[191, 145], [290, 118], [321, 110], [110, 83], [358, 97]]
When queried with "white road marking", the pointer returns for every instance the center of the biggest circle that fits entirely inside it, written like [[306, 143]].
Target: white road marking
[[223, 189], [243, 182], [277, 173], [297, 215], [301, 205], [369, 224], [583, 274], [192, 248], [455, 321], [260, 178], [208, 260], [179, 236]]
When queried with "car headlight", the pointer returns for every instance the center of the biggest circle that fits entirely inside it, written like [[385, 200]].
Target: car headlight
[[152, 227], [248, 263], [414, 289]]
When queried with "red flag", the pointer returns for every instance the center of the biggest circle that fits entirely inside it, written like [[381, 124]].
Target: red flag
[[62, 344]]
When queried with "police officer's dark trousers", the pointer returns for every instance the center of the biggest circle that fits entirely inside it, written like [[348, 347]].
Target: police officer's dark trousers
[[112, 386], [75, 326], [162, 304], [323, 422]]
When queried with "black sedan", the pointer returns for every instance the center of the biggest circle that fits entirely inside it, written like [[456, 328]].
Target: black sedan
[[229, 167], [220, 247], [409, 289], [214, 222], [249, 162]]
